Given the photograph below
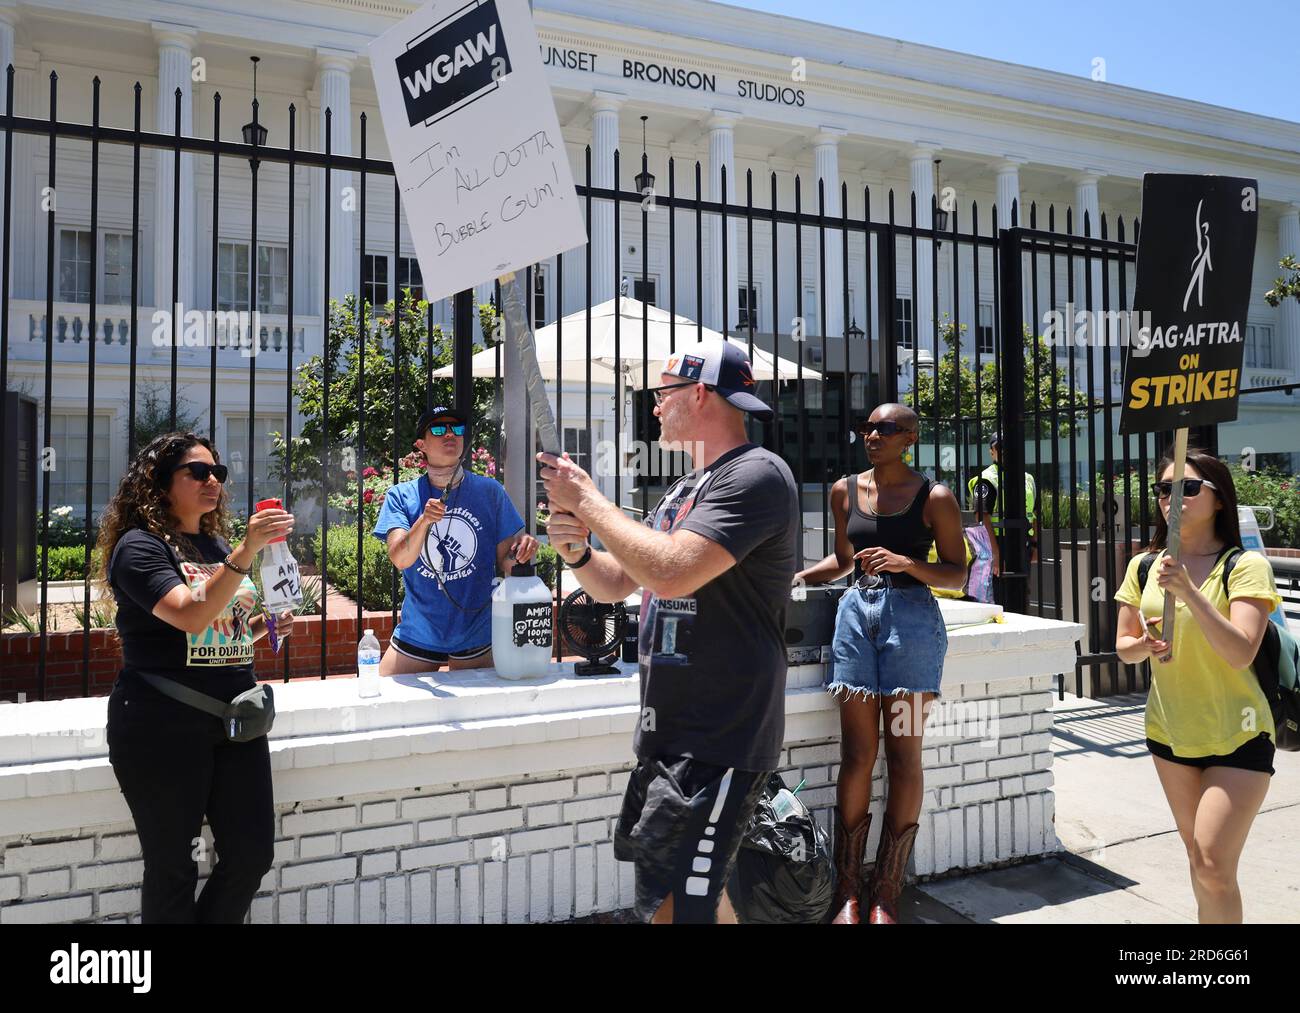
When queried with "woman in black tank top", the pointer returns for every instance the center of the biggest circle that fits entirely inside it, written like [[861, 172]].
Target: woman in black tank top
[[890, 643]]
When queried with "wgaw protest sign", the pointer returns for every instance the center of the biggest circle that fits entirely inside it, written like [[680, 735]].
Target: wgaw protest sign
[[1194, 262], [475, 141]]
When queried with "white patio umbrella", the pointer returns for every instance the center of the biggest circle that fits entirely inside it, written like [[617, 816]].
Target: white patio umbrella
[[571, 363]]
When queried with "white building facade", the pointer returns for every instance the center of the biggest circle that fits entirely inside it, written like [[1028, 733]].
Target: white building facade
[[721, 86]]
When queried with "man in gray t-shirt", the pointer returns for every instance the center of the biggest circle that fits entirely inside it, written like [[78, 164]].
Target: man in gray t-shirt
[[716, 559]]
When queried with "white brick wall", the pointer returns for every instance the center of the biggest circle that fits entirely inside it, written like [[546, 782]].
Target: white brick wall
[[988, 796], [531, 840]]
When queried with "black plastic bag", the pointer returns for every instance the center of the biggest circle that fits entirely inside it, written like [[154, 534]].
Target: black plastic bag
[[784, 873]]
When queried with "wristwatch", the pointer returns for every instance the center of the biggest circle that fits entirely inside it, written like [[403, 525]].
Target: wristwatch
[[583, 560]]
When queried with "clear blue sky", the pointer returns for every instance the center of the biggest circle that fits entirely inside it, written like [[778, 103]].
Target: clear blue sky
[[1242, 55]]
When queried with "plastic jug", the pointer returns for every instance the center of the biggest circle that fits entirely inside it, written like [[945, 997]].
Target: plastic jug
[[521, 625]]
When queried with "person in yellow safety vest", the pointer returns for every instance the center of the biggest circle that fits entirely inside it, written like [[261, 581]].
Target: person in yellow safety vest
[[983, 488]]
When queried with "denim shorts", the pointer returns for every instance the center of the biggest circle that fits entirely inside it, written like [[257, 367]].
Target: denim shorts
[[888, 640]]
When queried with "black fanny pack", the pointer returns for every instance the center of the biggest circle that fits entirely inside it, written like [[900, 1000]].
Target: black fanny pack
[[249, 716]]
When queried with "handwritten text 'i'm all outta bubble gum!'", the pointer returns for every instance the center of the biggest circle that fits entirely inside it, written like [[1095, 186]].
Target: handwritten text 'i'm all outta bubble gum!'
[[529, 154]]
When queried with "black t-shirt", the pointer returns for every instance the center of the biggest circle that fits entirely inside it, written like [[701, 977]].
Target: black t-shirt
[[218, 661], [713, 665]]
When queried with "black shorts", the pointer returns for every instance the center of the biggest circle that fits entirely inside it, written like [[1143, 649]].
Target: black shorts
[[437, 657], [1257, 754], [681, 824]]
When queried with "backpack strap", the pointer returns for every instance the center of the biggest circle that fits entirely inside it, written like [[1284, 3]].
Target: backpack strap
[[1144, 568], [1234, 554]]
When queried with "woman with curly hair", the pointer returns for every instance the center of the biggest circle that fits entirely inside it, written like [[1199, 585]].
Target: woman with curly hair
[[185, 613]]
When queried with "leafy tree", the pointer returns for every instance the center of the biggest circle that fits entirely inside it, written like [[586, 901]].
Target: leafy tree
[[954, 393], [153, 414], [400, 354], [1287, 286]]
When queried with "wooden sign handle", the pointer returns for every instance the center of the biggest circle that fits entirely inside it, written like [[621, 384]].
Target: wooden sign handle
[[1173, 544]]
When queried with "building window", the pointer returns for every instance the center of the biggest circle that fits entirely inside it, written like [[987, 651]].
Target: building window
[[75, 246], [1259, 346], [577, 444], [539, 296], [76, 249], [272, 277], [236, 458], [409, 276], [858, 392], [117, 269], [747, 299], [68, 477], [810, 318], [232, 276], [984, 330], [904, 322], [374, 279], [646, 290]]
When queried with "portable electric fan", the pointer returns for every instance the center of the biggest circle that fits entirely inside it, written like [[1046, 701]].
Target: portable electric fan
[[593, 629]]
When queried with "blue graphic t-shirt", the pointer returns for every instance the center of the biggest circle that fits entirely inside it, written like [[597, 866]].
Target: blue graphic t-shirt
[[460, 552]]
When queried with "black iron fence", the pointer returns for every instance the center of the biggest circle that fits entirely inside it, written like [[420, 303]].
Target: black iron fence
[[966, 378]]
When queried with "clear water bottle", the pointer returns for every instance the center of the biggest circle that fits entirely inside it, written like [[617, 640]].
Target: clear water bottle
[[368, 679]]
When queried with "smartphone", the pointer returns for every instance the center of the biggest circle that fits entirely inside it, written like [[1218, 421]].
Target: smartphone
[[1150, 627]]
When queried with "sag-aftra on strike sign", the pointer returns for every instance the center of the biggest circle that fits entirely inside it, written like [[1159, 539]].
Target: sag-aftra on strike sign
[[471, 126], [1195, 257]]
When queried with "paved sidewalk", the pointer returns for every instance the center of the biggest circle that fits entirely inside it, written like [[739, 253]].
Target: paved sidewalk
[[1123, 860]]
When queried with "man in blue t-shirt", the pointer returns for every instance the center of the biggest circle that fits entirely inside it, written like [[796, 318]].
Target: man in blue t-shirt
[[450, 532]]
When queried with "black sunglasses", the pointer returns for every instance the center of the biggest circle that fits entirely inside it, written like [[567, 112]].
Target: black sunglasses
[[441, 430], [888, 427], [1191, 487], [201, 471], [658, 392]]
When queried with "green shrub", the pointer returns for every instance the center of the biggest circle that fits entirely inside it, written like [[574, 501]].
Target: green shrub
[[376, 590], [545, 561], [1272, 489], [67, 528], [67, 562], [1267, 488]]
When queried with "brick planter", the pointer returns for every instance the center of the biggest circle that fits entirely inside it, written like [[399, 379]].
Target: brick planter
[[64, 673]]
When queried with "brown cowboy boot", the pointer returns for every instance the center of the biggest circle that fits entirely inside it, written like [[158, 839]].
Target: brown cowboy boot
[[887, 877], [850, 847]]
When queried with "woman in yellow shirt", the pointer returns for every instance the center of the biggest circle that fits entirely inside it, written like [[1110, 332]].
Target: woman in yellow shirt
[[1208, 724]]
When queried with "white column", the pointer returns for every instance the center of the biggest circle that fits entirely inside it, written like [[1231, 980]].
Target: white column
[[1087, 201], [826, 152], [785, 239], [334, 87], [684, 159], [175, 52], [1009, 192], [922, 164], [606, 261], [722, 152], [1288, 244], [867, 310], [8, 20]]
